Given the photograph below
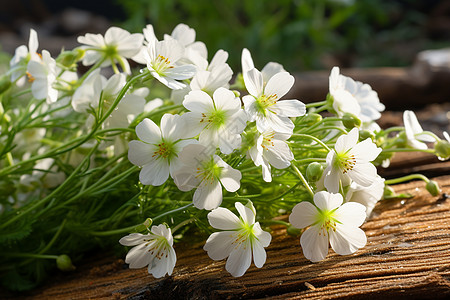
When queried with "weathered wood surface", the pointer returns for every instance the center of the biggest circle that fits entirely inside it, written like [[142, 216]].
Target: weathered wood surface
[[407, 256], [397, 88]]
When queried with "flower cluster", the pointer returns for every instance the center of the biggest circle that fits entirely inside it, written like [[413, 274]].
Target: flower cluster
[[195, 155]]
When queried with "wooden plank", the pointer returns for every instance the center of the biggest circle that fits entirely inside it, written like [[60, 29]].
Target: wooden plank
[[407, 256]]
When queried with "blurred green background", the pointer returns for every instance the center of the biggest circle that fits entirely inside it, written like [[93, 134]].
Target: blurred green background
[[301, 34]]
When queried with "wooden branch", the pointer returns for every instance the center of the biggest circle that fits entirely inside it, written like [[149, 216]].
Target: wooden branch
[[407, 256]]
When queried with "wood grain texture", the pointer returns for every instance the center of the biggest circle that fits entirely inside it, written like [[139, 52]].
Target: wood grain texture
[[407, 256]]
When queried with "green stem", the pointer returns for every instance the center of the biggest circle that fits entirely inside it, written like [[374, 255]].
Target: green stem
[[52, 194], [307, 160], [408, 150], [406, 178], [85, 75], [302, 178], [116, 231], [314, 104], [52, 241], [392, 129], [173, 211], [275, 222], [21, 93], [312, 138], [185, 222], [31, 255]]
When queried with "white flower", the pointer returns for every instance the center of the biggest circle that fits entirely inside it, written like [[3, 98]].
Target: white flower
[[351, 160], [154, 249], [21, 58], [217, 74], [126, 111], [158, 148], [115, 47], [354, 97], [446, 136], [88, 93], [271, 149], [367, 196], [195, 52], [43, 76], [94, 86], [207, 172], [45, 174], [267, 72], [329, 221], [162, 61], [208, 77], [414, 132], [219, 120], [262, 104], [241, 239]]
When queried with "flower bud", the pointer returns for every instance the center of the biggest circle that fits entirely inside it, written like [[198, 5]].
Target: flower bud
[[311, 119], [236, 93], [442, 149], [69, 58], [291, 230], [144, 226], [64, 263], [314, 171], [388, 192], [350, 121], [5, 83], [239, 82], [433, 188], [382, 157], [365, 134]]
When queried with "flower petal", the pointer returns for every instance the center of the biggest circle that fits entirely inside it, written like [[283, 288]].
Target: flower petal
[[347, 239], [240, 259], [155, 173], [351, 214], [279, 84], [208, 195], [254, 82], [148, 132], [314, 244], [132, 239], [223, 219], [220, 244], [303, 214], [259, 254], [247, 215], [140, 153], [289, 108], [327, 201]]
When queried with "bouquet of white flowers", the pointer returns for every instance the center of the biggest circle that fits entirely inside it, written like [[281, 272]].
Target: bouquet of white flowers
[[88, 158]]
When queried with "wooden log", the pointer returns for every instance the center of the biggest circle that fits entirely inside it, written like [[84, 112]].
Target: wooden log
[[397, 88], [407, 256]]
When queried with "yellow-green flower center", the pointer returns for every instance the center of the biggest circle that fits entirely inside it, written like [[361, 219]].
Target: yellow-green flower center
[[110, 51], [267, 141], [263, 102], [164, 150], [214, 119], [209, 171], [160, 247], [344, 161], [161, 64], [326, 219]]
